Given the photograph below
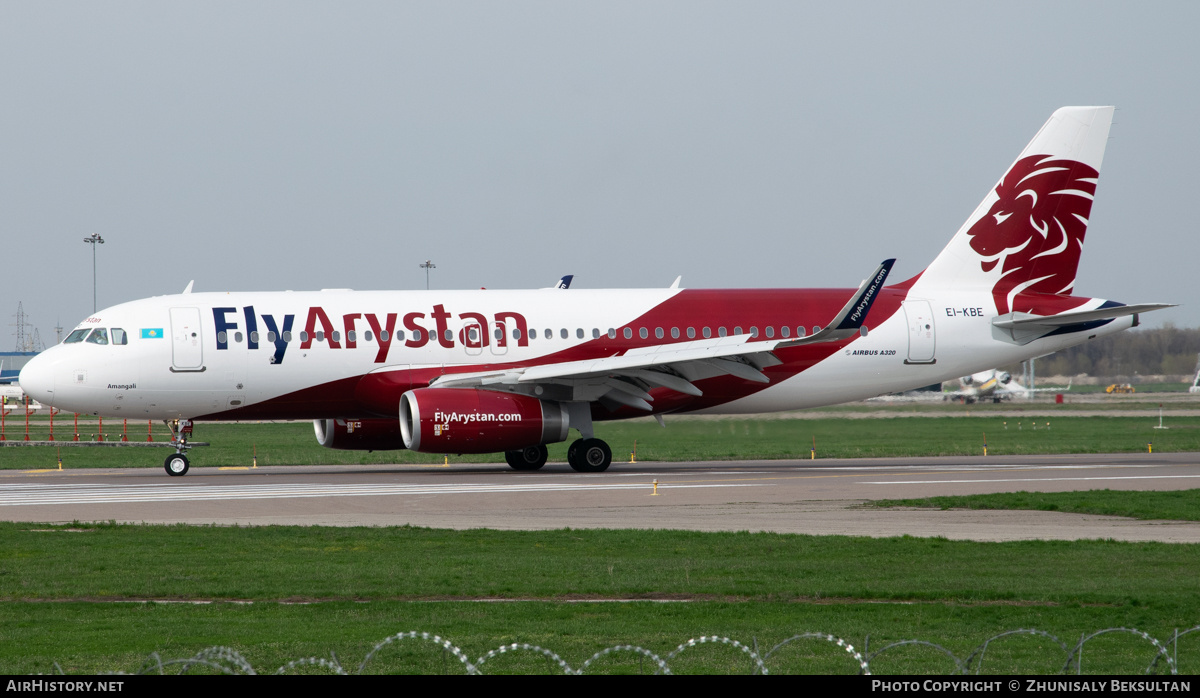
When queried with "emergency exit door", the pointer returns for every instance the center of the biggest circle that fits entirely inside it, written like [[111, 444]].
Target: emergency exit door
[[922, 337]]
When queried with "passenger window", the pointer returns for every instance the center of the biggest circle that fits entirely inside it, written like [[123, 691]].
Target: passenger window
[[320, 335], [417, 335], [98, 336], [287, 336], [449, 335], [595, 333], [222, 337], [737, 330], [770, 331], [517, 334], [563, 333], [579, 333], [237, 337], [254, 337], [721, 332], [612, 333], [399, 336], [643, 333], [628, 333], [707, 333], [658, 333], [351, 336], [691, 333], [533, 334], [499, 334], [674, 333], [119, 337], [549, 333], [785, 331], [753, 331], [271, 337], [303, 336], [383, 335], [76, 336]]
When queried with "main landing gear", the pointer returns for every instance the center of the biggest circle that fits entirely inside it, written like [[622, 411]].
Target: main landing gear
[[584, 455], [589, 456], [528, 458], [176, 464]]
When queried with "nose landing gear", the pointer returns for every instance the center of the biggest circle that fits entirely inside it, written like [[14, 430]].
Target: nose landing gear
[[176, 464]]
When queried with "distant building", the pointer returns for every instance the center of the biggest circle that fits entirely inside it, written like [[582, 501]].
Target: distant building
[[11, 363]]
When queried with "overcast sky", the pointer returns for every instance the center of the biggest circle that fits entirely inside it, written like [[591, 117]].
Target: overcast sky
[[305, 145]]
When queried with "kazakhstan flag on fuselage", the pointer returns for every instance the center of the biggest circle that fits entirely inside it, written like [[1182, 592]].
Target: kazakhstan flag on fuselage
[[152, 333]]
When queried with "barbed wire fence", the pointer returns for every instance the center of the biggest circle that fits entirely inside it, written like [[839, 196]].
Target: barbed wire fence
[[229, 661]]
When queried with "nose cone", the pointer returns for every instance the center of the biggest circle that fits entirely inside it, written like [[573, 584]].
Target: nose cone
[[37, 379]]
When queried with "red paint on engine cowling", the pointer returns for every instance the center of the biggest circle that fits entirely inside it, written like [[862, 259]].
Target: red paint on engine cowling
[[359, 434], [466, 420]]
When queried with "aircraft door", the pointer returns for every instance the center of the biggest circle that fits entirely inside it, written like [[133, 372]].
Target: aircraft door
[[472, 337], [186, 340], [921, 332], [499, 338]]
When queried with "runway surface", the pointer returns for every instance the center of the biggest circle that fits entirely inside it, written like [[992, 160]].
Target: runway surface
[[816, 497]]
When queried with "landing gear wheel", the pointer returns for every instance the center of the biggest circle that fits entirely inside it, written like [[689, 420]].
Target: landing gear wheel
[[589, 456], [528, 458], [176, 464]]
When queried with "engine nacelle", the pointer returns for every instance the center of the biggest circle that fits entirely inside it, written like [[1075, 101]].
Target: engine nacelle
[[1005, 378], [467, 420], [359, 434]]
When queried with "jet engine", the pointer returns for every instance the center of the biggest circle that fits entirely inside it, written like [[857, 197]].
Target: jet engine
[[1005, 378], [468, 420], [359, 434]]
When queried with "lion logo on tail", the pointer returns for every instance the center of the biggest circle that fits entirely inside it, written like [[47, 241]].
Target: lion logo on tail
[[1035, 229]]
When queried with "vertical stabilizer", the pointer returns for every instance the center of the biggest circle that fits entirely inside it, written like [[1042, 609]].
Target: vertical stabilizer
[[1027, 234]]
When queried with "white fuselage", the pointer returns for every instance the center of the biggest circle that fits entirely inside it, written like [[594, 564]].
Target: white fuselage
[[299, 355]]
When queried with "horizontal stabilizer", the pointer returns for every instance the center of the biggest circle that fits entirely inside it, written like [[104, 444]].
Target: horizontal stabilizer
[[1027, 321]]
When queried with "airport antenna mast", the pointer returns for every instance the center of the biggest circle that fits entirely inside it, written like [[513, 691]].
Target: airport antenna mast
[[94, 239], [427, 265]]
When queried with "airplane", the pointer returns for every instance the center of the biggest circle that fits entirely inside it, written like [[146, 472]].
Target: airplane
[[995, 385], [511, 371]]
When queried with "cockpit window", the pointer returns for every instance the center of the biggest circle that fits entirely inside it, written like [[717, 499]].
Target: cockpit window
[[98, 336], [119, 336], [76, 336]]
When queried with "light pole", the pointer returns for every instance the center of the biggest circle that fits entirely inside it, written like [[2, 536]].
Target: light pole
[[426, 266], [93, 239]]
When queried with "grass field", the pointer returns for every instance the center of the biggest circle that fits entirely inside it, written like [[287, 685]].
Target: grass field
[[280, 593], [89, 598], [685, 439], [1176, 505]]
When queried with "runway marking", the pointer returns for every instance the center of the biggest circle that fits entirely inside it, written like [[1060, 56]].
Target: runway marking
[[33, 495], [857, 471], [1031, 479]]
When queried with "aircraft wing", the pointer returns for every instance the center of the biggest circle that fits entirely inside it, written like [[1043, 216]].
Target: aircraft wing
[[625, 378]]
